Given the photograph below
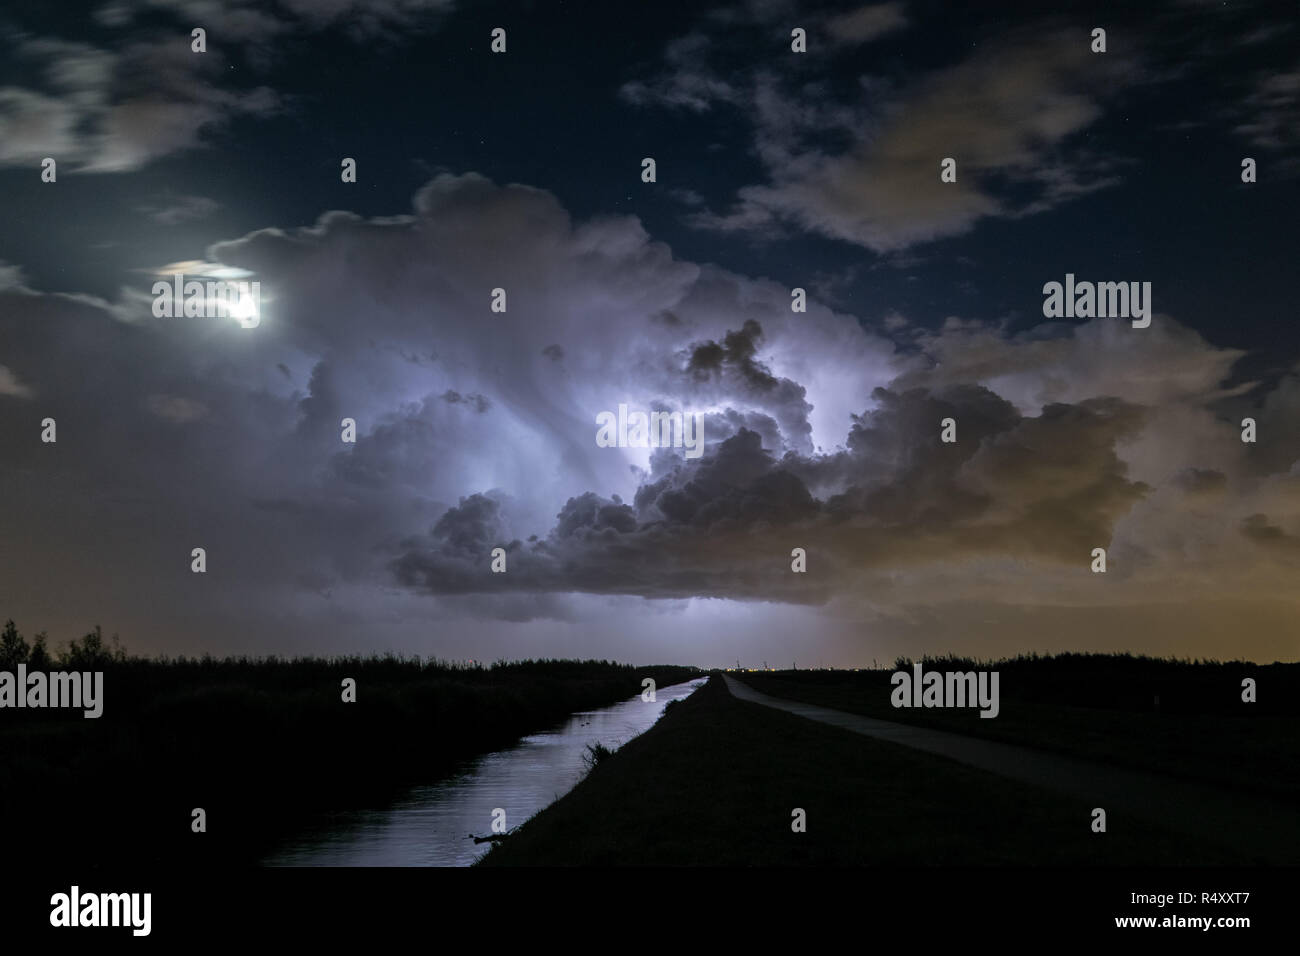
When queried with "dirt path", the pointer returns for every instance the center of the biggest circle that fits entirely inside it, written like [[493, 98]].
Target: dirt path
[[1264, 828]]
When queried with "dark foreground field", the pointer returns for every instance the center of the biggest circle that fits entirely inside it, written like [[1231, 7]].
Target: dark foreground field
[[263, 746], [1182, 719], [714, 782]]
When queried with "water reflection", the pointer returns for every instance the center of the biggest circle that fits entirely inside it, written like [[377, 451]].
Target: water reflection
[[431, 825]]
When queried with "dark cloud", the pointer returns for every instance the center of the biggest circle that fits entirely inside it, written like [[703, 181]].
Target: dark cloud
[[731, 366], [1049, 486], [479, 403], [1201, 481], [1258, 529]]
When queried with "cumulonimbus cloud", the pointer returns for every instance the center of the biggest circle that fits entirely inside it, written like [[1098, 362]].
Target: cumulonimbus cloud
[[477, 429]]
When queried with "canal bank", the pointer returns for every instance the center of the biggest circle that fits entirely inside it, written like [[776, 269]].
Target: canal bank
[[434, 825]]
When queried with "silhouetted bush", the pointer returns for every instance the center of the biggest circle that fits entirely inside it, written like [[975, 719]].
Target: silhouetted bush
[[594, 754]]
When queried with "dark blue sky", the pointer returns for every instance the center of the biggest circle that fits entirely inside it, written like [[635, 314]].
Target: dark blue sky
[[427, 95]]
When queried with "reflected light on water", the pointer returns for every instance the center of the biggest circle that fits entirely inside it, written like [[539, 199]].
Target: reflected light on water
[[431, 826]]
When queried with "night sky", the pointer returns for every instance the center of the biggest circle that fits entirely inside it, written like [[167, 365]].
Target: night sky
[[774, 170]]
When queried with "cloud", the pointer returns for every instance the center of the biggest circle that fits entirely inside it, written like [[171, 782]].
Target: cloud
[[866, 23], [175, 210], [1049, 487], [9, 385], [11, 276], [686, 82], [230, 437], [1205, 482], [1002, 114], [1067, 362], [1273, 112], [1261, 531], [865, 169], [107, 109], [477, 430], [96, 113], [176, 408]]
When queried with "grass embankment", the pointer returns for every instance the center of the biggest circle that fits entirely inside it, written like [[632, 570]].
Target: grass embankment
[[1103, 707], [264, 747], [714, 782]]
